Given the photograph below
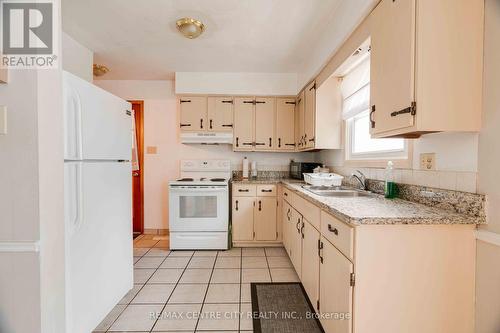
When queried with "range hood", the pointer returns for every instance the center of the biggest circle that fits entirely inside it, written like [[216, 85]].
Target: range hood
[[207, 137]]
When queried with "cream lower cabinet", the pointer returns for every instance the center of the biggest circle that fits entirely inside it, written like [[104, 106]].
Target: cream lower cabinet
[[335, 289], [254, 215], [364, 278], [311, 262]]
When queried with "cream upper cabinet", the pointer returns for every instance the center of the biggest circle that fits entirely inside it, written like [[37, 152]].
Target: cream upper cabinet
[[426, 67], [310, 262], [285, 123], [244, 123], [193, 113], [265, 116], [265, 219], [335, 295], [243, 216], [220, 114], [299, 121], [309, 115]]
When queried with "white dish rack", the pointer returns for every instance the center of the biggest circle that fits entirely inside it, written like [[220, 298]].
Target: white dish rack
[[323, 179]]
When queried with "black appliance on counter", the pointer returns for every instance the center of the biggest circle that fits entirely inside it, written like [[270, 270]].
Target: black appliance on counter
[[297, 169]]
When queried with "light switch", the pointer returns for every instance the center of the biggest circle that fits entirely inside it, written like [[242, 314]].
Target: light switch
[[428, 161], [151, 150], [3, 119]]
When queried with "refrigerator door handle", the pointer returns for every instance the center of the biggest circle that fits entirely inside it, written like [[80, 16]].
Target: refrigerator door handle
[[75, 196], [73, 128]]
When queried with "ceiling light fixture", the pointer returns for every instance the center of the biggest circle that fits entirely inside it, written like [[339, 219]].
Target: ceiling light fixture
[[100, 70], [189, 27]]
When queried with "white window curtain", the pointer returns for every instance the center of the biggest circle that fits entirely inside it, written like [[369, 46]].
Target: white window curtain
[[355, 90]]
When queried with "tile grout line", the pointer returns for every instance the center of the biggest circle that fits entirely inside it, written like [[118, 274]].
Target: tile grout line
[[206, 291], [177, 283], [127, 305], [241, 284], [268, 268]]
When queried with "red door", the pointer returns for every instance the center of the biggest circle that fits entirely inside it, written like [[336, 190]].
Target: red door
[[138, 174]]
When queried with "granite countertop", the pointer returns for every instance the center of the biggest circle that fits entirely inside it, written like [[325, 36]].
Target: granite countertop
[[375, 209]]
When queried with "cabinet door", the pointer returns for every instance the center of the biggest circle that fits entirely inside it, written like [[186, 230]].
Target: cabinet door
[[299, 121], [296, 242], [264, 123], [392, 65], [242, 221], [193, 113], [335, 293], [265, 219], [220, 114], [285, 123], [244, 121], [310, 262], [309, 115], [287, 221]]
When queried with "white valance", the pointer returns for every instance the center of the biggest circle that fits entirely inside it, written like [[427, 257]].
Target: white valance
[[355, 89]]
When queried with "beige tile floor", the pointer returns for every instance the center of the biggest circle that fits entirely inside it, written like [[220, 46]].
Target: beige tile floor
[[194, 291]]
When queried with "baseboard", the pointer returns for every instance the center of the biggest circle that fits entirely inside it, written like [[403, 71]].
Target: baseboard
[[257, 244], [161, 232], [488, 236]]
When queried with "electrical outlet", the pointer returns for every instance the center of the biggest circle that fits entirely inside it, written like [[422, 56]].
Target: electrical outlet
[[428, 161]]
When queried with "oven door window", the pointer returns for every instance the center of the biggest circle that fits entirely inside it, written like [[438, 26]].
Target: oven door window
[[198, 206]]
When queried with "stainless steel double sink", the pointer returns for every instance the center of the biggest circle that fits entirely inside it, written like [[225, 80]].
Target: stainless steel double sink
[[340, 192]]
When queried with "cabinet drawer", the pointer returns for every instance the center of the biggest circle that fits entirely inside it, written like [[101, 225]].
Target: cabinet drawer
[[309, 211], [338, 233], [266, 190], [287, 195], [242, 190]]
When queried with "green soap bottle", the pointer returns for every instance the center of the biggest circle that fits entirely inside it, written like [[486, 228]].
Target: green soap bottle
[[391, 189]]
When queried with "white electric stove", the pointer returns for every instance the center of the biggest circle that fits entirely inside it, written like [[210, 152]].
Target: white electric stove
[[199, 205]]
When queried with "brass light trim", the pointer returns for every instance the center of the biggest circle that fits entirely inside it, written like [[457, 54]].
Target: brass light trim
[[189, 27], [100, 70]]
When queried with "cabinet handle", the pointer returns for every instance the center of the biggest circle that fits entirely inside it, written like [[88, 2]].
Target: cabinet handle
[[290, 144], [302, 230], [260, 205], [260, 144], [260, 102], [412, 109], [267, 191], [227, 125], [245, 190], [236, 204], [211, 121], [288, 214], [312, 140], [201, 123], [249, 102], [334, 230], [185, 125], [279, 142], [228, 101], [237, 141], [297, 226], [313, 87], [185, 101], [372, 122], [320, 247], [290, 103], [270, 142], [285, 194], [248, 143]]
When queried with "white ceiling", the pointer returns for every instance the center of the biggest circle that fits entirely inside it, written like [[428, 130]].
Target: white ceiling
[[138, 40]]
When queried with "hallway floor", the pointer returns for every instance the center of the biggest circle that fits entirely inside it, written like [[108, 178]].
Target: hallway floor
[[194, 291]]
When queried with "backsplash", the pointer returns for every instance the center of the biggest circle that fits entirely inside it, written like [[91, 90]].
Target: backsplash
[[448, 180], [264, 174]]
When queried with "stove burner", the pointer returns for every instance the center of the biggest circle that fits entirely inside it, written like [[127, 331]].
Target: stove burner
[[185, 180], [217, 179]]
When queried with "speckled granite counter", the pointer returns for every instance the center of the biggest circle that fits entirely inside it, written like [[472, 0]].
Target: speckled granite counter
[[376, 209]]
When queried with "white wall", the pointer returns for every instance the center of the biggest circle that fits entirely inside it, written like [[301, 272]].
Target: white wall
[[161, 129], [273, 84], [76, 58]]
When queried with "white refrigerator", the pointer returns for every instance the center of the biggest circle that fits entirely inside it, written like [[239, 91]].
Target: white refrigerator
[[98, 202]]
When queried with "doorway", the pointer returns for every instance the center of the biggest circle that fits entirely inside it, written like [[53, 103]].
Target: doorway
[[138, 170]]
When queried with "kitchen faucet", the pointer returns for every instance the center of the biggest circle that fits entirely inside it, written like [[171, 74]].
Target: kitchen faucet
[[361, 179]]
